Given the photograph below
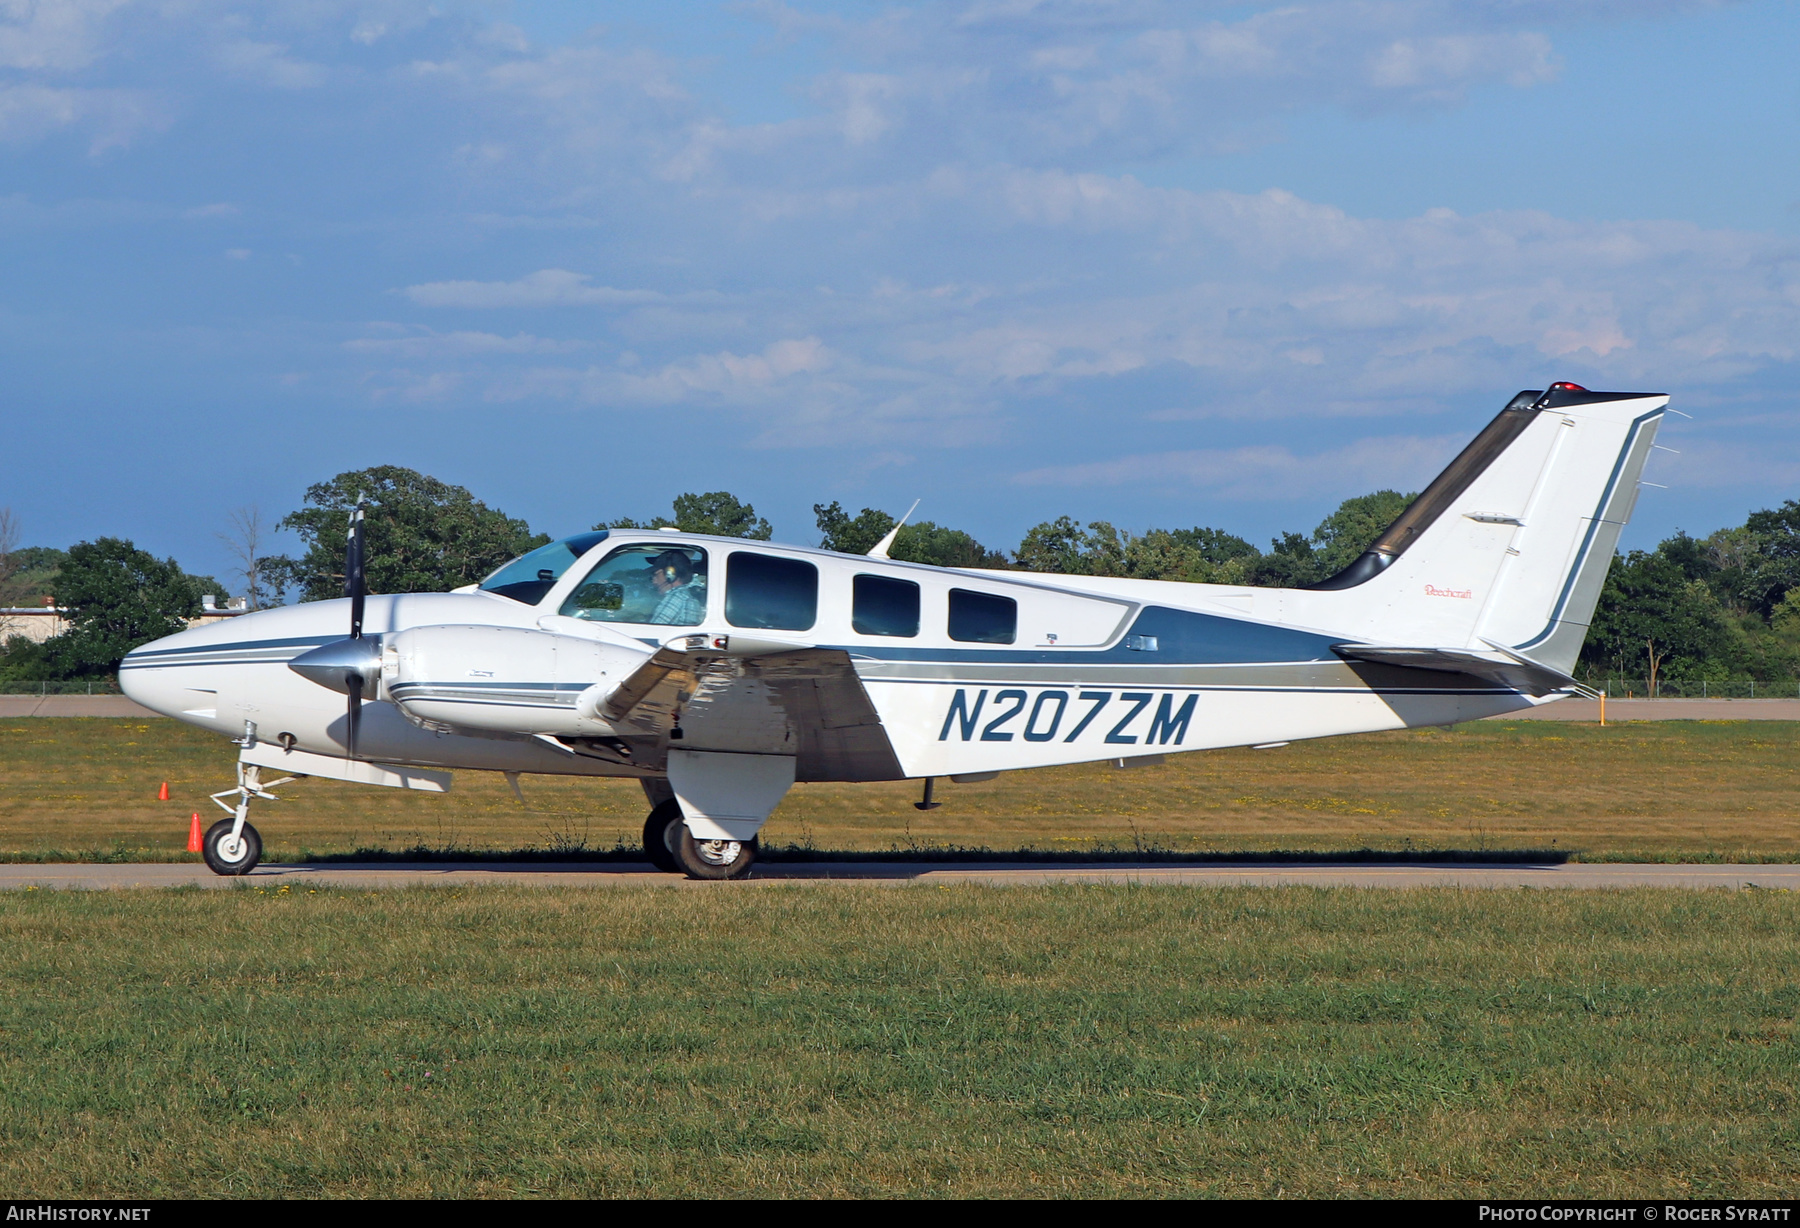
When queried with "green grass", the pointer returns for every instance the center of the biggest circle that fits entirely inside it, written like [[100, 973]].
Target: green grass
[[1657, 791], [917, 1040]]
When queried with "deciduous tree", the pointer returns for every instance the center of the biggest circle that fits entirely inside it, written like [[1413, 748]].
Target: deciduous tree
[[1342, 536], [1652, 616], [847, 534], [424, 536], [244, 541], [718, 513], [922, 541], [117, 598]]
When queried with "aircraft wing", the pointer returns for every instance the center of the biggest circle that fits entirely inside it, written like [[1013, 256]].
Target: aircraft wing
[[630, 695], [1501, 665], [803, 701]]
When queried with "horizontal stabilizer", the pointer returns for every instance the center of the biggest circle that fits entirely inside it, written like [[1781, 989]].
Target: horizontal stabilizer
[[1501, 666]]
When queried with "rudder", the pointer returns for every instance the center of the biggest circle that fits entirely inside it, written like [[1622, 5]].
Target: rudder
[[1507, 548]]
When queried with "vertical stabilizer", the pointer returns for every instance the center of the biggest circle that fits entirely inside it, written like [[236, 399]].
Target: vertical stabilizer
[[1507, 549]]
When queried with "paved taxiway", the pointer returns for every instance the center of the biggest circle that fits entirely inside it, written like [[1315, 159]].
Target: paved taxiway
[[893, 873]]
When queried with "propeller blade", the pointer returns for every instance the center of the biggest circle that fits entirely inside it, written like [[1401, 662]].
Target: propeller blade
[[355, 582], [353, 683]]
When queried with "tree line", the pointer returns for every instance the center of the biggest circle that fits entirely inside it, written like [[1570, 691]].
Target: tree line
[[1724, 608]]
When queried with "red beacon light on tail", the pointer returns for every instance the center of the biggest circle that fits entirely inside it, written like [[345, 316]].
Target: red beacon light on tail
[[1565, 386]]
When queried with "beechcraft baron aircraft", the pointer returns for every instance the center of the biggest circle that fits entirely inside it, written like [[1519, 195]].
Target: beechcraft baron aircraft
[[719, 671]]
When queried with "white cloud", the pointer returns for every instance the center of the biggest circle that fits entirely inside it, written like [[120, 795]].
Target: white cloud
[[438, 345], [113, 118], [545, 288], [1442, 68], [1259, 305], [268, 64], [723, 378], [731, 376], [1267, 472], [1724, 464], [415, 387], [56, 35], [1242, 281], [934, 248], [1072, 81]]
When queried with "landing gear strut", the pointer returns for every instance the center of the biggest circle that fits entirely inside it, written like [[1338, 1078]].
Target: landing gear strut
[[671, 847], [231, 846]]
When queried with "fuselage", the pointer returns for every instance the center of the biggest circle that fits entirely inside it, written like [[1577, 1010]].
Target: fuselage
[[963, 671]]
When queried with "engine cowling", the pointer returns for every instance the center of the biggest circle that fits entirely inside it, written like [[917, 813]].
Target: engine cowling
[[506, 679]]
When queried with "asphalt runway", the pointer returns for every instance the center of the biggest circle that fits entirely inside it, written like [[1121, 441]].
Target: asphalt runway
[[894, 873]]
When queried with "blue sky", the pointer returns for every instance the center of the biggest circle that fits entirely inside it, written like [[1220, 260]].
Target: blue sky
[[1161, 264]]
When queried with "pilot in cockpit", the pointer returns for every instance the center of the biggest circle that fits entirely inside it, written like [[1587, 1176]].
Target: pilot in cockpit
[[680, 602]]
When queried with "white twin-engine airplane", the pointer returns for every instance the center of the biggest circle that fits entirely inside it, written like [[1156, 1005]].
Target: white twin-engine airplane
[[719, 671]]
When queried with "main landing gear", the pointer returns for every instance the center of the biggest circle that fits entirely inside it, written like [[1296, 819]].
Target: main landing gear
[[672, 848], [231, 846]]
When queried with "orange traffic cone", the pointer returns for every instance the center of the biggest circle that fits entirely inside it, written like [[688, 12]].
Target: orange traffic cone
[[162, 794], [194, 835]]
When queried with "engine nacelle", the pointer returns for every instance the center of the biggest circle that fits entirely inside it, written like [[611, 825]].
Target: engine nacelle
[[506, 679]]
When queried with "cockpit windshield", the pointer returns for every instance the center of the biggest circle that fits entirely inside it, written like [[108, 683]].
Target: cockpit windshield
[[528, 577]]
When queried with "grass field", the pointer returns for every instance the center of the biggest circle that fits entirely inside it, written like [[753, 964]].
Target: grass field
[[928, 1041], [1674, 790]]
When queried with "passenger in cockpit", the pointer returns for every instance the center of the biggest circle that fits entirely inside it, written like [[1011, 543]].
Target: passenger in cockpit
[[680, 603]]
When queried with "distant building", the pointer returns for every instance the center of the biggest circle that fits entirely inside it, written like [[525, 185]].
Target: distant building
[[39, 623], [35, 623]]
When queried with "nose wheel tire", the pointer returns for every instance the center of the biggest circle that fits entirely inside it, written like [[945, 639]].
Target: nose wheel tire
[[227, 856], [660, 830]]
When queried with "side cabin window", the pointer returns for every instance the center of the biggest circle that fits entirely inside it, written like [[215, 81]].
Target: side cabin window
[[881, 605], [648, 583], [982, 618], [763, 590]]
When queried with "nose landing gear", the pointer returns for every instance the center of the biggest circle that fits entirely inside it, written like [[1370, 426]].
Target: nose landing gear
[[231, 846]]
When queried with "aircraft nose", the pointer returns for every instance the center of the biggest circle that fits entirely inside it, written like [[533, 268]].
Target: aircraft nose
[[163, 689]]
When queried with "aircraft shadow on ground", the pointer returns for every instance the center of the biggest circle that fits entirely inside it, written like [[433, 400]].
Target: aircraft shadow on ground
[[791, 857]]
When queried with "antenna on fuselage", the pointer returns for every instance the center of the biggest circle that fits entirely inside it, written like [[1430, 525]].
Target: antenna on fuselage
[[881, 548]]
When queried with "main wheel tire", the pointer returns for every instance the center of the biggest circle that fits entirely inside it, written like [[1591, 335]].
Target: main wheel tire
[[660, 831], [224, 856], [714, 859]]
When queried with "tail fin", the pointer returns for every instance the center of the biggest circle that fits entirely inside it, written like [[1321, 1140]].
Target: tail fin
[[1508, 548]]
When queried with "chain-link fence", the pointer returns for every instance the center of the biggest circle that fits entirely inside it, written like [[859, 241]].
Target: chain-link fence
[[87, 686], [1730, 688]]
